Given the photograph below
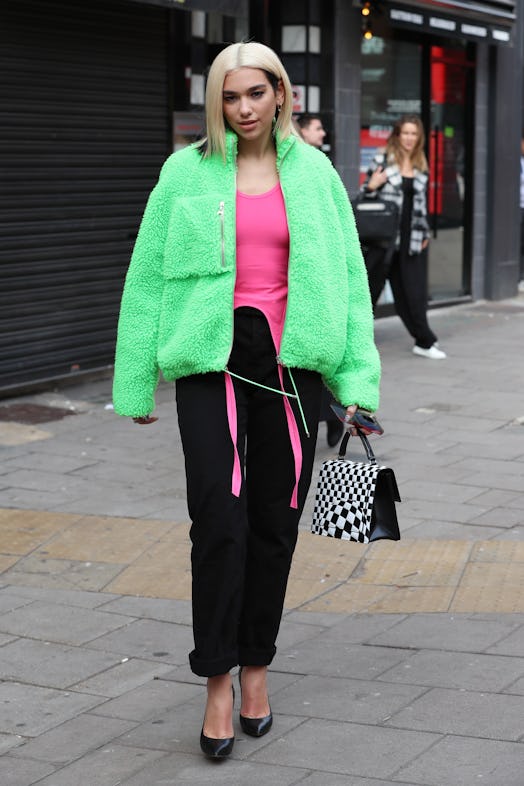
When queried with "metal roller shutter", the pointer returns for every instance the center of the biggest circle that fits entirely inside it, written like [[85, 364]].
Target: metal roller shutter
[[84, 112]]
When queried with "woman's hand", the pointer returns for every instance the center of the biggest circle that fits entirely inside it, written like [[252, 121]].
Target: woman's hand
[[425, 243], [145, 420], [377, 179]]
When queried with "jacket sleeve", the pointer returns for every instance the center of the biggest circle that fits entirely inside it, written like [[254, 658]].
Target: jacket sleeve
[[136, 369], [357, 378]]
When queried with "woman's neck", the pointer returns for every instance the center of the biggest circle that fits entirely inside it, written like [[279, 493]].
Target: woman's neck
[[256, 168], [256, 149]]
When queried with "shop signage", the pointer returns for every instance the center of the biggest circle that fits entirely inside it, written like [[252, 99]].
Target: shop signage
[[432, 21], [229, 7]]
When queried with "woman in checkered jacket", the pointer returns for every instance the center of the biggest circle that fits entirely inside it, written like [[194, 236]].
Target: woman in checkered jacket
[[400, 175]]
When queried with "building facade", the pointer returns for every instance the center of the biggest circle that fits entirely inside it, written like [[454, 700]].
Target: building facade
[[96, 94], [456, 63]]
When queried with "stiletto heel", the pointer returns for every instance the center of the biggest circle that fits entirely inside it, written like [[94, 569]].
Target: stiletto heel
[[254, 727], [217, 748]]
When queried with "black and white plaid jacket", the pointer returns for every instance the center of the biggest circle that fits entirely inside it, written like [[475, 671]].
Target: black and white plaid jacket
[[392, 191]]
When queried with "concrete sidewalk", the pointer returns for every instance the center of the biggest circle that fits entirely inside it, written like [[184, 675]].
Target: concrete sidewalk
[[398, 663]]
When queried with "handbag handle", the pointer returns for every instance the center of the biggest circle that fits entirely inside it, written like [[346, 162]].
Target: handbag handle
[[367, 447]]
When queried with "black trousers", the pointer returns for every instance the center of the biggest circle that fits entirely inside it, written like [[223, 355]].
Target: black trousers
[[242, 546], [408, 276]]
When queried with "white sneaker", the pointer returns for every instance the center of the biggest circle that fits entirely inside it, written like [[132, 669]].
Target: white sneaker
[[433, 353]]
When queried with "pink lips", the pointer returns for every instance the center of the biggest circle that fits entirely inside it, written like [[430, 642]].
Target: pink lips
[[248, 125]]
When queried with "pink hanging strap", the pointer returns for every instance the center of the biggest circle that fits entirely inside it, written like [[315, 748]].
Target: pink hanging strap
[[231, 406], [294, 436]]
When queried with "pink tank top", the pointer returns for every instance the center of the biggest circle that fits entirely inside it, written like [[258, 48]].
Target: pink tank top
[[262, 256], [261, 282]]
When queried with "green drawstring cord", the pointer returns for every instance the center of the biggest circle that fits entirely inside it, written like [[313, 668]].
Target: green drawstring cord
[[298, 402], [275, 390]]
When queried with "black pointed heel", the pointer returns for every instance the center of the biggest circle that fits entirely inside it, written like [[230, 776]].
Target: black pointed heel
[[217, 748], [254, 727]]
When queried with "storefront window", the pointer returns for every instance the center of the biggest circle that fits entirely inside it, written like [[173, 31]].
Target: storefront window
[[404, 76]]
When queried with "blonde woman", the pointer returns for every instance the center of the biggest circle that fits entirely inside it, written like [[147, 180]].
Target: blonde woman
[[400, 174], [247, 287]]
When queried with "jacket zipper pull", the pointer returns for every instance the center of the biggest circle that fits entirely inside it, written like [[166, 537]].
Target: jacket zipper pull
[[220, 213]]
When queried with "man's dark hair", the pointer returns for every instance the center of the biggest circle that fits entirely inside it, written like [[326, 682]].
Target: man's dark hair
[[306, 118]]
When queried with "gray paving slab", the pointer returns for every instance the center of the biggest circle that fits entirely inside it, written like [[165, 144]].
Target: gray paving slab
[[41, 462], [72, 739], [359, 701], [186, 770], [10, 601], [87, 600], [455, 632], [355, 661], [178, 730], [516, 687], [328, 779], [19, 772], [465, 713], [123, 677], [512, 644], [348, 748], [60, 623], [31, 710], [148, 639], [291, 634], [178, 611], [500, 517], [9, 741], [459, 670], [360, 628], [51, 665], [150, 701], [103, 767], [468, 762]]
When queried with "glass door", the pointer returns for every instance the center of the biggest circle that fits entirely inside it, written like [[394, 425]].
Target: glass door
[[448, 196]]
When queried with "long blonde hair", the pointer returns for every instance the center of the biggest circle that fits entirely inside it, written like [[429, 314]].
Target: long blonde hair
[[394, 152], [243, 55]]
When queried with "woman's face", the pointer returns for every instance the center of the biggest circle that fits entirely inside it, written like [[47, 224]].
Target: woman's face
[[408, 137], [249, 103]]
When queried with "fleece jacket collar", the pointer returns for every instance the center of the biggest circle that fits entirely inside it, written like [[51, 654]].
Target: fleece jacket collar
[[283, 147]]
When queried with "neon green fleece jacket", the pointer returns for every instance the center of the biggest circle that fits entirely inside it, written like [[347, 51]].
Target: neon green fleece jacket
[[177, 307]]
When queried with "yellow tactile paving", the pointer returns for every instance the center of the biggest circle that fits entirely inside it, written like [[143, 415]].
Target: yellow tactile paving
[[506, 600], [348, 597], [163, 571], [498, 551], [410, 573], [12, 434], [493, 574], [7, 561], [152, 558], [300, 591], [325, 558], [419, 550], [106, 539], [21, 531], [409, 600], [34, 571]]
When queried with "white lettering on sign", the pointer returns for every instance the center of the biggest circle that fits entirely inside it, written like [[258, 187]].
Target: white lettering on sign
[[481, 32], [442, 24], [406, 16], [500, 35]]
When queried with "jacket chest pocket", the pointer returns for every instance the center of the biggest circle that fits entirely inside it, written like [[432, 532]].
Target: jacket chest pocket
[[196, 238]]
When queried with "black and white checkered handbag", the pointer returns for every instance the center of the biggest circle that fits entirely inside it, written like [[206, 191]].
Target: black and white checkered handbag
[[356, 500]]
